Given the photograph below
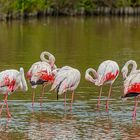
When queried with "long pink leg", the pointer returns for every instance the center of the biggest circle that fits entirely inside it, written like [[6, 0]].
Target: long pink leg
[[42, 94], [65, 101], [7, 108], [135, 108], [1, 108], [33, 97], [110, 89], [72, 98], [3, 104], [98, 105]]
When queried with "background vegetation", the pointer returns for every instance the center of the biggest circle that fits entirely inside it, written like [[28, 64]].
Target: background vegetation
[[61, 6]]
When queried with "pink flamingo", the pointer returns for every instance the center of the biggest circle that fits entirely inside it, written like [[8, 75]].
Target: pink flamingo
[[40, 73], [131, 83], [66, 79], [107, 73], [10, 81]]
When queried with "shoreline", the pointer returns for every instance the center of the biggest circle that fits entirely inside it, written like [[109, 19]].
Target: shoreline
[[100, 11]]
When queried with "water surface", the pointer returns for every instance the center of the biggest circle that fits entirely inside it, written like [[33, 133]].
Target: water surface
[[80, 43]]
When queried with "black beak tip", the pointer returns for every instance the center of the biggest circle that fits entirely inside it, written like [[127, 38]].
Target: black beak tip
[[32, 83], [122, 97]]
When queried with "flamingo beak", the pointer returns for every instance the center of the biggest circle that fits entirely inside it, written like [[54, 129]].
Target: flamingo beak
[[123, 98], [124, 76]]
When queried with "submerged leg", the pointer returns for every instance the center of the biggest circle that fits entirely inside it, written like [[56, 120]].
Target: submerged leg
[[110, 89], [7, 108], [135, 107], [3, 103], [72, 98], [33, 96], [42, 94], [1, 109], [98, 105], [65, 101]]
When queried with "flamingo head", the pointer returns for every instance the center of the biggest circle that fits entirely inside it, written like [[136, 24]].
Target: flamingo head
[[125, 91], [100, 81], [124, 72], [34, 79], [123, 98]]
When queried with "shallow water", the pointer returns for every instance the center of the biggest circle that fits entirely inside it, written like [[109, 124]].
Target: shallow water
[[81, 43]]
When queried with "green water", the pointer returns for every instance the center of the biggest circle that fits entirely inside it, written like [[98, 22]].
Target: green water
[[80, 43]]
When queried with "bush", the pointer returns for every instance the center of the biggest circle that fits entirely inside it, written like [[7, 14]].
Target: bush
[[88, 5]]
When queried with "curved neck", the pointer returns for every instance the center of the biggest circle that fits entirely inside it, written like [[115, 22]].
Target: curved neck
[[88, 77], [134, 66], [50, 60], [23, 81]]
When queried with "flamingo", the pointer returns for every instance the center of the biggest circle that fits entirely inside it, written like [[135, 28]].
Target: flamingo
[[132, 89], [66, 79], [10, 81], [131, 83], [40, 73], [124, 70], [107, 73]]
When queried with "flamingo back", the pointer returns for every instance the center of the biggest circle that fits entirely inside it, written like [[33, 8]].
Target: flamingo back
[[66, 79], [107, 72]]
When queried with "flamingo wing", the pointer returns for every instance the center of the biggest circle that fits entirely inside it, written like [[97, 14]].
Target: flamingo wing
[[66, 79], [132, 85], [9, 80], [107, 71]]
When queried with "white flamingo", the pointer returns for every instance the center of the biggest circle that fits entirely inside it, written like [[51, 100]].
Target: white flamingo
[[131, 83], [66, 79], [40, 73], [106, 74], [10, 81]]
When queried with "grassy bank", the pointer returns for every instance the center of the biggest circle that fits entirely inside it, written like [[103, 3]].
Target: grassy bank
[[13, 9]]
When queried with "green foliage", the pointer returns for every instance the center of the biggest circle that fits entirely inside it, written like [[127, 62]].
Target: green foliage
[[122, 3], [41, 5], [125, 3], [6, 5], [88, 5], [30, 5]]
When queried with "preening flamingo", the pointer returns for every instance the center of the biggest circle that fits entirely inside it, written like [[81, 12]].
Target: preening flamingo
[[40, 73], [10, 81], [106, 74], [66, 79], [131, 83]]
